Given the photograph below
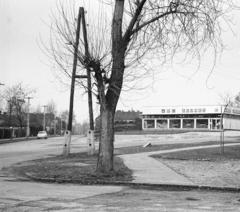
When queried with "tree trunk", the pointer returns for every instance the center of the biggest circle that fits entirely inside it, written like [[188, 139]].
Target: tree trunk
[[105, 156], [109, 100]]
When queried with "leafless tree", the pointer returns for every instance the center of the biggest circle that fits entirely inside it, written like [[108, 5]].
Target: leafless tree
[[51, 110], [226, 99], [16, 105], [125, 51], [237, 100]]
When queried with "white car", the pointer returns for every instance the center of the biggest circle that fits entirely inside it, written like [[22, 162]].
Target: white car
[[42, 134]]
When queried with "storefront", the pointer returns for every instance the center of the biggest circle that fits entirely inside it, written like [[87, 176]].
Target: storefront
[[191, 117]]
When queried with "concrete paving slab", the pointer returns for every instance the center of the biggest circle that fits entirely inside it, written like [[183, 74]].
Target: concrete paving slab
[[151, 171]]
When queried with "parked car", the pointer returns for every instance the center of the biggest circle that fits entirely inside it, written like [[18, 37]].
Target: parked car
[[42, 134]]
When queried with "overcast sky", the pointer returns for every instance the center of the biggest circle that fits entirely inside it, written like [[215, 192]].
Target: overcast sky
[[21, 60]]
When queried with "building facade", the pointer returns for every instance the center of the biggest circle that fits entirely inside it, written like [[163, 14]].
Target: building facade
[[191, 117]]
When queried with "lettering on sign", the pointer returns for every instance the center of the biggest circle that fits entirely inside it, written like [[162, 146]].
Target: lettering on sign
[[236, 111]]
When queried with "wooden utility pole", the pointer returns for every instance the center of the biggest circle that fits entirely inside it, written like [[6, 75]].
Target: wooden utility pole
[[44, 126], [88, 70], [66, 147], [28, 128], [70, 118]]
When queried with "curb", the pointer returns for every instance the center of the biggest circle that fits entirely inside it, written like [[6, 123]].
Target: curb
[[14, 140], [132, 184]]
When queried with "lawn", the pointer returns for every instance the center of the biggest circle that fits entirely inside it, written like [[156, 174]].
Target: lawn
[[81, 168], [77, 166], [213, 154]]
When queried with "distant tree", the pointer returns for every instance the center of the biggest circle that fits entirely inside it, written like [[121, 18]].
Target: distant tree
[[15, 99], [2, 101], [84, 127], [51, 106], [226, 99], [237, 100], [64, 117], [51, 110], [140, 34]]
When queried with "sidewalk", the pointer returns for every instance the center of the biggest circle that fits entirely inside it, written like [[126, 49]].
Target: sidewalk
[[147, 170]]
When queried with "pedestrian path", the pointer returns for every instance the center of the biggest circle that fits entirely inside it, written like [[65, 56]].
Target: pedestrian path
[[147, 170]]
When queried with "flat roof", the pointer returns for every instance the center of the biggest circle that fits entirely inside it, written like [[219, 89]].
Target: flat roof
[[190, 109]]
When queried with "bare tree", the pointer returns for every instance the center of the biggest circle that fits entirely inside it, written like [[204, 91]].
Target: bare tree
[[16, 105], [51, 110], [226, 100], [125, 50], [51, 106], [237, 100]]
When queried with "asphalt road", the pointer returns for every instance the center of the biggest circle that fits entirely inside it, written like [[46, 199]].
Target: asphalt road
[[17, 195]]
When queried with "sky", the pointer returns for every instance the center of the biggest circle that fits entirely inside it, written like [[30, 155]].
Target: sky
[[22, 23]]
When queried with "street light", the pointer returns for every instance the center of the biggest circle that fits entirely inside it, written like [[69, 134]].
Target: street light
[[44, 116], [28, 128], [55, 123]]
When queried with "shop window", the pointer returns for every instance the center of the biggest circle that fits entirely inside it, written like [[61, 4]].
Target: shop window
[[202, 123], [149, 123], [162, 124], [174, 123], [188, 123]]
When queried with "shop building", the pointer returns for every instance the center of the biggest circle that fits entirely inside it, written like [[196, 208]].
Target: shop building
[[191, 117]]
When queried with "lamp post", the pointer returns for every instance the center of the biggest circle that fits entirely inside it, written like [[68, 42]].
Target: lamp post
[[44, 106], [28, 128], [55, 123]]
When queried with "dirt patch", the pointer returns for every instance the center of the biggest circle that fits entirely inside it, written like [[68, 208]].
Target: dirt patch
[[206, 166], [209, 173]]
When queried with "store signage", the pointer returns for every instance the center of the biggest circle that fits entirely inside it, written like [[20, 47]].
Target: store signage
[[196, 110], [234, 111]]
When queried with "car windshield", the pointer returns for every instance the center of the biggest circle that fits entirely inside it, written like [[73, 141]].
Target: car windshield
[[41, 132]]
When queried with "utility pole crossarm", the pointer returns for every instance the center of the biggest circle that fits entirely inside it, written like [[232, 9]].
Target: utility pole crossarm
[[81, 76]]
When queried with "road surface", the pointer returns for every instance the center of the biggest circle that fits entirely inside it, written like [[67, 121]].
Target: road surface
[[20, 196]]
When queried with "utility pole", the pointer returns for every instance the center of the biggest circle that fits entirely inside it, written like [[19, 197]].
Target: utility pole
[[28, 128], [67, 143], [3, 120], [55, 123], [90, 136], [44, 106], [88, 70]]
